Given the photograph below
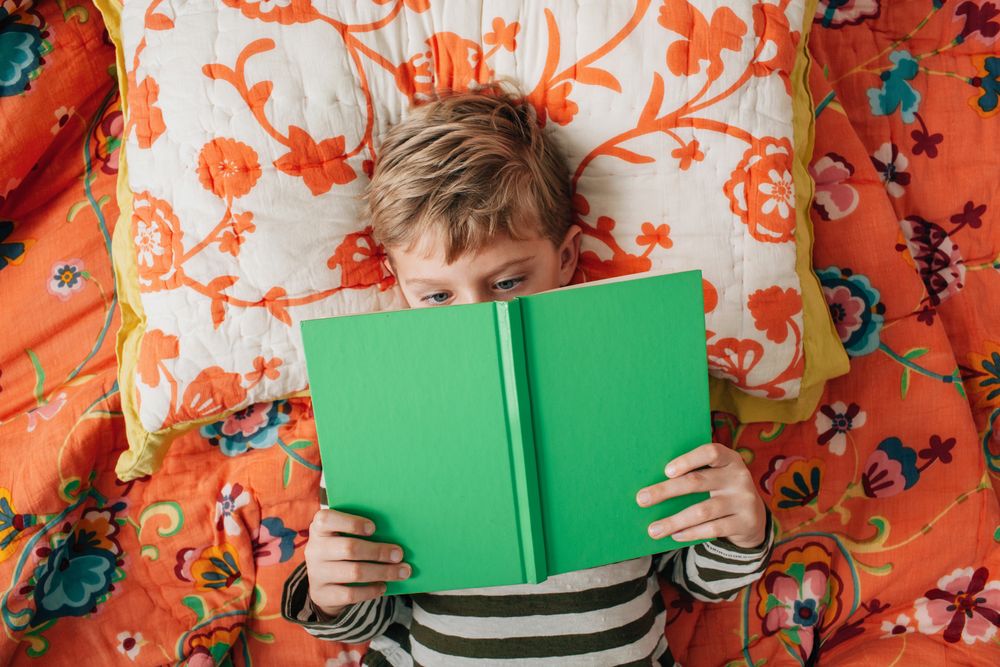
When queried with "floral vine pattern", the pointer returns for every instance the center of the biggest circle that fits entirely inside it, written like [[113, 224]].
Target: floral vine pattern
[[757, 344]]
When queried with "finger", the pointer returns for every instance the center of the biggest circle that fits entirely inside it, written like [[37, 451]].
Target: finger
[[335, 595], [351, 572], [703, 512], [331, 522], [711, 455], [706, 479], [338, 548], [709, 530]]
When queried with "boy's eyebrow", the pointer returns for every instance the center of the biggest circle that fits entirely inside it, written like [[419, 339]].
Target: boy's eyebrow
[[502, 267], [511, 263], [423, 281]]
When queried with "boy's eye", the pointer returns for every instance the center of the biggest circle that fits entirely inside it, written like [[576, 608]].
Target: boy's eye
[[438, 297], [508, 284]]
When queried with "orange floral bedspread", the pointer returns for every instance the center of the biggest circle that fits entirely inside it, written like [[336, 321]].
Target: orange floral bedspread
[[889, 524]]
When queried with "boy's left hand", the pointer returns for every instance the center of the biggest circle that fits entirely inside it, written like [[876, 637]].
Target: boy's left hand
[[734, 510]]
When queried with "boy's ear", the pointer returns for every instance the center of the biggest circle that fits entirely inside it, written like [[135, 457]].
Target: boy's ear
[[387, 265], [569, 254]]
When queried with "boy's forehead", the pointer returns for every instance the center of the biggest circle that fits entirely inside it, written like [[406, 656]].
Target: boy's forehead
[[426, 258]]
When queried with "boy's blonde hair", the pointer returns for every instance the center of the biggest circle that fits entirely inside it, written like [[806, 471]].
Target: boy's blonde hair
[[471, 165]]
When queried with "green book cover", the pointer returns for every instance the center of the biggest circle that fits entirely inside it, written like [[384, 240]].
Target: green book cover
[[500, 443]]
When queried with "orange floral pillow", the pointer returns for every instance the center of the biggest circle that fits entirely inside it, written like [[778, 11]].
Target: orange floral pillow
[[253, 124]]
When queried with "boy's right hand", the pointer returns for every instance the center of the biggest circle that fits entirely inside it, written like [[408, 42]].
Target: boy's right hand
[[334, 558]]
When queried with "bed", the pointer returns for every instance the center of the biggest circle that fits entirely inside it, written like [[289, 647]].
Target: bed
[[884, 500]]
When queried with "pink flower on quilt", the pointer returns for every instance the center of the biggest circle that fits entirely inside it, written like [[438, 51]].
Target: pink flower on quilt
[[66, 278], [834, 198], [200, 657], [834, 421], [838, 13], [274, 543], [182, 568], [964, 605], [47, 411], [777, 467], [107, 140], [799, 597], [845, 308], [936, 257], [901, 626], [248, 421], [890, 469], [231, 498], [891, 164]]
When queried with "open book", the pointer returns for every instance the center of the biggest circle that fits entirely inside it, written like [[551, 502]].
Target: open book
[[503, 442]]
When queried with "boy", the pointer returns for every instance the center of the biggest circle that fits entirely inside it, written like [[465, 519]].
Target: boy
[[471, 202]]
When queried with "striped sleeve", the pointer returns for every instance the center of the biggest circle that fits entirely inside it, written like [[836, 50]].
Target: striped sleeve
[[357, 623], [717, 570]]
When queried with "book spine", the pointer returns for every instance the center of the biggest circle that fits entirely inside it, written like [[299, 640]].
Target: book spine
[[510, 335]]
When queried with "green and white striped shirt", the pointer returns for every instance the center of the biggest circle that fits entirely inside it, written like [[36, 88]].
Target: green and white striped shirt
[[608, 615]]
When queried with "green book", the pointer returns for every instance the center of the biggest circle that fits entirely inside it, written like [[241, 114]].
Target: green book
[[504, 442]]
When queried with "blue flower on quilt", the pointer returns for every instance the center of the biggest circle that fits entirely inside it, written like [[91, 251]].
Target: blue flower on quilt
[[855, 308], [79, 570], [804, 613], [20, 56], [890, 469], [896, 91], [274, 543], [66, 278], [988, 80], [255, 426]]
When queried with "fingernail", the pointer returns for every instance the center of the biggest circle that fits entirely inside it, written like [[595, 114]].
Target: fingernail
[[396, 555], [369, 528], [670, 471], [655, 530], [404, 572], [644, 498]]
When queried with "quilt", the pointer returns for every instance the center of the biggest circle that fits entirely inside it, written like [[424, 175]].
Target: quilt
[[884, 499]]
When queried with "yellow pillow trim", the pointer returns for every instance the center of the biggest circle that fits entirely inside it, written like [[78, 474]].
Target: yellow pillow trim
[[825, 357], [146, 449]]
